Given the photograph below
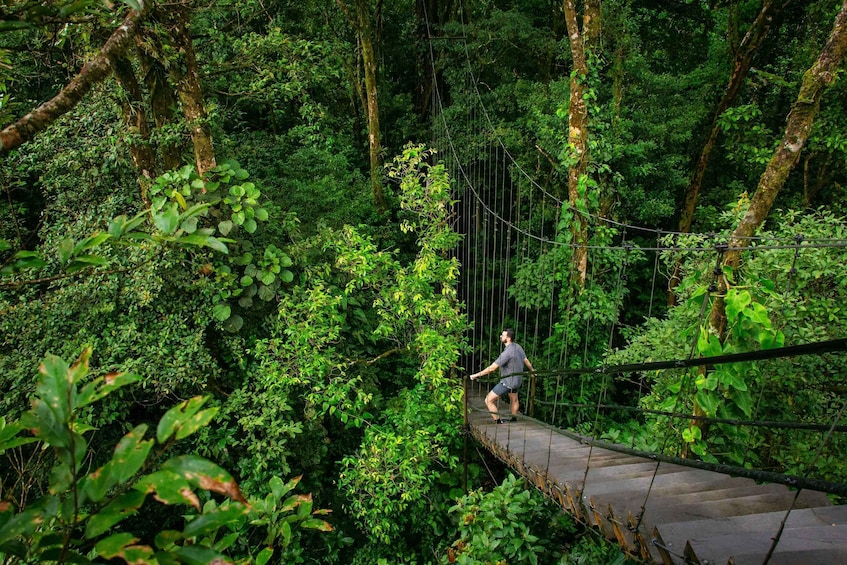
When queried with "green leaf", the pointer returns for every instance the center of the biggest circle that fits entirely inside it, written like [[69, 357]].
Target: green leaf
[[135, 222], [261, 214], [130, 454], [250, 225], [203, 473], [221, 311], [691, 434], [199, 555], [169, 487], [708, 401], [211, 521], [83, 261], [113, 545], [316, 524], [22, 524], [708, 344], [102, 386], [54, 386], [124, 505], [133, 4], [218, 244], [167, 220], [199, 420], [225, 227], [234, 324], [266, 293], [177, 417], [264, 556], [238, 218], [286, 276], [90, 242], [65, 250], [116, 226], [189, 225], [743, 400], [736, 302], [731, 379]]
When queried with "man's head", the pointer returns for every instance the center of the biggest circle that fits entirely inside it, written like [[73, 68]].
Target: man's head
[[508, 336]]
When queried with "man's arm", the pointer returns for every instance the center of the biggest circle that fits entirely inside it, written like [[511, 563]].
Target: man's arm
[[528, 364], [490, 369]]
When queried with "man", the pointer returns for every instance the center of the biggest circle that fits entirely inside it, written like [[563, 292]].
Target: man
[[510, 362]]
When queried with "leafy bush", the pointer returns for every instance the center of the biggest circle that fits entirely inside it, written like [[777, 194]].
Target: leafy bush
[[73, 520]]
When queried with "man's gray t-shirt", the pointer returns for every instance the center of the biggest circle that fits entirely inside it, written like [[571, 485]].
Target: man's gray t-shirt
[[511, 361]]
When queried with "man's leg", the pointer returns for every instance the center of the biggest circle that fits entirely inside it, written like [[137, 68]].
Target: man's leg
[[513, 399], [491, 403]]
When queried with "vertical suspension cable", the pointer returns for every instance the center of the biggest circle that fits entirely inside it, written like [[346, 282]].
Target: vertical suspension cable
[[720, 250]]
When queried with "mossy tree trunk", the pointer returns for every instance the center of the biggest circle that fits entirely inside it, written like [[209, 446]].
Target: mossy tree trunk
[[797, 130]]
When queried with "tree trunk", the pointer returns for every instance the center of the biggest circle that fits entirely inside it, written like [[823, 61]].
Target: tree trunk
[[92, 72], [578, 124], [797, 130], [185, 74], [162, 99], [362, 22], [741, 66], [374, 141], [135, 118]]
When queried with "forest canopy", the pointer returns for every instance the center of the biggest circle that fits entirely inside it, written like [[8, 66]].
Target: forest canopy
[[233, 321]]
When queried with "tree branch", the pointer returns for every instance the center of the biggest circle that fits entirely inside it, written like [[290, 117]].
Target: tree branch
[[92, 72]]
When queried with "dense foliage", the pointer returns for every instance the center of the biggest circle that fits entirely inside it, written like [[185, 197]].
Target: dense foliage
[[219, 213]]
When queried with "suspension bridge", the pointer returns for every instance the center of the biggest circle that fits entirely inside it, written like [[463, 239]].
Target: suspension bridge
[[623, 444]]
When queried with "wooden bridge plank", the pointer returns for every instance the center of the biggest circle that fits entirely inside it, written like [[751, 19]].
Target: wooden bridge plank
[[686, 507], [809, 522]]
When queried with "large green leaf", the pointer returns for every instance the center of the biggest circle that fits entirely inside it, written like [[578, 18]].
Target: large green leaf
[[113, 545], [177, 416], [167, 220], [21, 524], [169, 488], [9, 435], [316, 524], [90, 242], [54, 386], [708, 401], [124, 505], [211, 521], [221, 311], [203, 473], [130, 454], [101, 386], [200, 555]]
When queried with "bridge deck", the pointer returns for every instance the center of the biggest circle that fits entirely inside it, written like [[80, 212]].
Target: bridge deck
[[690, 515]]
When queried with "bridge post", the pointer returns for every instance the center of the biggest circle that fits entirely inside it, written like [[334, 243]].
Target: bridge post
[[531, 401]]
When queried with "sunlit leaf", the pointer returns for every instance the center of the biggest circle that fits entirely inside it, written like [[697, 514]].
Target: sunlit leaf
[[177, 416]]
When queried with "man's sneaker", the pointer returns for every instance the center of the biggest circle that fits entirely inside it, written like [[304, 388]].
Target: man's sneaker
[[500, 421]]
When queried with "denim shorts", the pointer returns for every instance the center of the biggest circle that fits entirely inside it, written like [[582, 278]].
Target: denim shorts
[[501, 389]]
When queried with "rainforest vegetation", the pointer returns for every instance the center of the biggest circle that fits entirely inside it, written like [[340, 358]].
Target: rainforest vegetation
[[231, 326]]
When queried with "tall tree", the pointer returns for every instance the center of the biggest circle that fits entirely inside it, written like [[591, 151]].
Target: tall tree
[[363, 22], [582, 43], [798, 127], [743, 54], [185, 75], [135, 118]]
